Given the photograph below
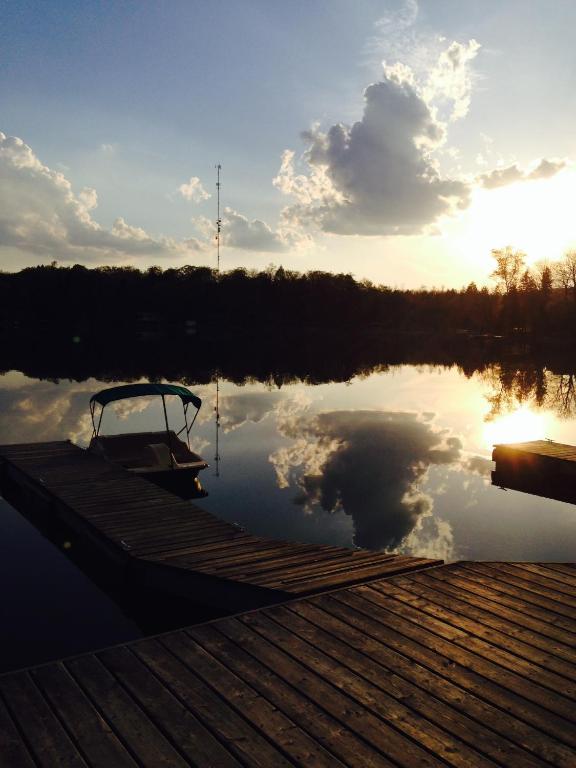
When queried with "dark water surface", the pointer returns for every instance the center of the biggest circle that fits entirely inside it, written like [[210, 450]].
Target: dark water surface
[[395, 459]]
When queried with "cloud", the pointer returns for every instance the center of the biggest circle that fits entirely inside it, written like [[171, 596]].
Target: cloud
[[368, 464], [40, 215], [378, 176], [194, 191], [449, 84], [253, 234], [501, 177], [395, 38]]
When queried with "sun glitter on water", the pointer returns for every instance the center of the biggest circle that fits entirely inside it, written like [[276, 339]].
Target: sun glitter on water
[[517, 427]]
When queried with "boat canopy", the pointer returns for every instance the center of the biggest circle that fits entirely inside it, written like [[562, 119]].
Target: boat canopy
[[106, 396]]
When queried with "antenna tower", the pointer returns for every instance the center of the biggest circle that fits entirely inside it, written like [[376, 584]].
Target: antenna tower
[[217, 411], [218, 220]]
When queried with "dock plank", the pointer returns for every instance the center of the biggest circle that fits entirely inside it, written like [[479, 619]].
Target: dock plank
[[176, 543], [44, 736], [145, 741], [90, 731], [402, 671]]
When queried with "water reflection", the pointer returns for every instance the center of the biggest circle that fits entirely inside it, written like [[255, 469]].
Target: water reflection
[[534, 387], [370, 464], [362, 462], [518, 426]]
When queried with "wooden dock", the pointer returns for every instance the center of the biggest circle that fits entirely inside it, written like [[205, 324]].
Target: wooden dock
[[541, 456], [174, 545], [468, 665], [539, 467]]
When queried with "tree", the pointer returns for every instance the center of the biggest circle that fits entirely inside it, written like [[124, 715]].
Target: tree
[[509, 266], [527, 283], [565, 273]]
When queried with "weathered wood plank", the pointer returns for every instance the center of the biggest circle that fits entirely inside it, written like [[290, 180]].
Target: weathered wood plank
[[233, 645], [247, 743], [508, 621], [392, 652], [424, 669], [88, 728], [254, 707], [43, 732], [13, 751], [133, 521], [127, 719], [507, 690], [181, 726], [508, 595], [460, 729]]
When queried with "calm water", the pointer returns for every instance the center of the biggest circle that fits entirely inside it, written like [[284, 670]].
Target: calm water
[[397, 459]]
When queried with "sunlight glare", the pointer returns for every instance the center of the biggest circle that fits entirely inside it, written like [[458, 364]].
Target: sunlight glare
[[532, 216], [517, 427]]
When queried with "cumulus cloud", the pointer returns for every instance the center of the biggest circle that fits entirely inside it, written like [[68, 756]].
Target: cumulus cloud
[[370, 464], [378, 176], [240, 232], [194, 191], [449, 84], [381, 175], [501, 177], [40, 215], [251, 235]]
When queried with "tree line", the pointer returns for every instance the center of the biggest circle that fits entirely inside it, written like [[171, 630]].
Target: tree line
[[89, 303]]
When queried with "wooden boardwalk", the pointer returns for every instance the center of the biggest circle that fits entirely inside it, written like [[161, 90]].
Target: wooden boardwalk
[[470, 664], [172, 544]]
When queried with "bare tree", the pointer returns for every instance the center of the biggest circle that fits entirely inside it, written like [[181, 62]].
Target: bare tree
[[565, 273], [509, 266]]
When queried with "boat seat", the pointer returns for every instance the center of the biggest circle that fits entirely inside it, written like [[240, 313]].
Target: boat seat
[[159, 455], [134, 450]]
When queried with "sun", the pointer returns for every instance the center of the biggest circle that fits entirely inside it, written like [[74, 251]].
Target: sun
[[535, 217]]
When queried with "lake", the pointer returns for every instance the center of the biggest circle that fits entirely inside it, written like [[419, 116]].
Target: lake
[[396, 458]]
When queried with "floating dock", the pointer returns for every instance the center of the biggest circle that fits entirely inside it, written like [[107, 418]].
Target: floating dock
[[541, 456], [468, 665], [164, 542], [539, 467]]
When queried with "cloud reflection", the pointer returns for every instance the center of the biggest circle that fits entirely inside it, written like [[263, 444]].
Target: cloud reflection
[[370, 464], [237, 410], [42, 410], [35, 411]]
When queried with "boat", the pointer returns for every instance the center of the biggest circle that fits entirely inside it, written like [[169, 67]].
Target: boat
[[161, 457]]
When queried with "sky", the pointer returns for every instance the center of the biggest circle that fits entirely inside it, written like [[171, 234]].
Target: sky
[[396, 140]]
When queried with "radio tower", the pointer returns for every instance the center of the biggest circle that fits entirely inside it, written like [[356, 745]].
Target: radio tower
[[218, 220], [217, 413]]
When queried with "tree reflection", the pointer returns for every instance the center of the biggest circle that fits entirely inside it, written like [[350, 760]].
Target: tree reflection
[[529, 385], [562, 394]]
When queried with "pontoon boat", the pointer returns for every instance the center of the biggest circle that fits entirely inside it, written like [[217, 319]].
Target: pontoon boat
[[161, 457]]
